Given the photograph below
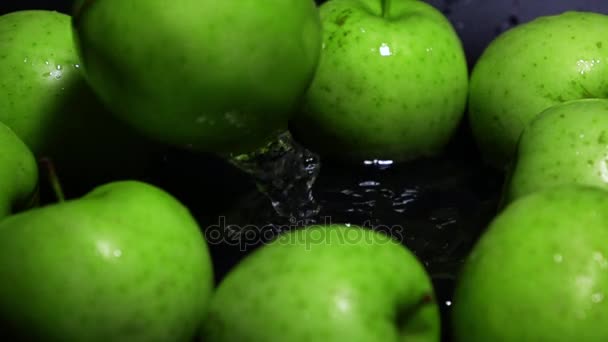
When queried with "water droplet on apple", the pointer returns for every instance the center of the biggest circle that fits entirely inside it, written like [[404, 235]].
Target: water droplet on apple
[[558, 258], [385, 50], [342, 301], [25, 60], [603, 172], [57, 74], [600, 259], [597, 297], [108, 251], [584, 66]]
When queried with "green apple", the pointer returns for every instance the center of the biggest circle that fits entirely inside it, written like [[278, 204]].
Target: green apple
[[325, 283], [540, 272], [215, 76], [126, 262], [18, 173], [567, 143], [391, 83], [547, 61], [45, 100]]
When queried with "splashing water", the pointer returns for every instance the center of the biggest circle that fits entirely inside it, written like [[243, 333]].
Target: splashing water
[[285, 172]]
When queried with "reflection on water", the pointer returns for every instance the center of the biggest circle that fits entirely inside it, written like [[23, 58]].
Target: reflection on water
[[437, 208]]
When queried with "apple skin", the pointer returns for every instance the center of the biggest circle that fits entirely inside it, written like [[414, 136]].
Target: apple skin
[[18, 173], [126, 262], [540, 272], [48, 104], [325, 283], [390, 87], [214, 76], [567, 143], [534, 66]]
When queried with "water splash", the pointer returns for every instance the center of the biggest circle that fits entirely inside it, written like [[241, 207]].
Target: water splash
[[436, 208], [285, 172]]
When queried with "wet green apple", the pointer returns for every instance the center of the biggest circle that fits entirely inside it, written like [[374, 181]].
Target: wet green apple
[[567, 143], [126, 262], [325, 283], [391, 83], [540, 271], [18, 173], [215, 76], [534, 66], [45, 100]]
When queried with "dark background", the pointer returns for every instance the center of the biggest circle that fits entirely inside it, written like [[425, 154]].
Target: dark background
[[444, 203]]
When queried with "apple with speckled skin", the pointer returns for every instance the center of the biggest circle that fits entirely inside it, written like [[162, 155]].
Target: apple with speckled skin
[[18, 173], [46, 101], [391, 83], [539, 272], [126, 262], [567, 143], [536, 65], [325, 283], [213, 76]]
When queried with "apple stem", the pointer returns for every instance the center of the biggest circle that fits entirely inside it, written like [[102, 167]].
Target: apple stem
[[53, 178], [386, 6]]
